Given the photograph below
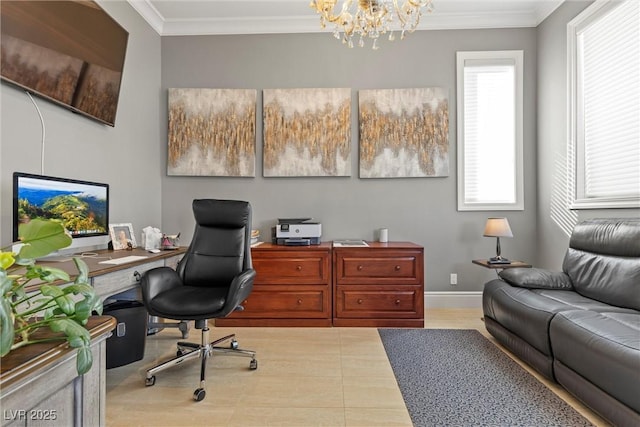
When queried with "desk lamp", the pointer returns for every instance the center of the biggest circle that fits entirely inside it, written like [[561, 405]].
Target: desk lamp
[[497, 227]]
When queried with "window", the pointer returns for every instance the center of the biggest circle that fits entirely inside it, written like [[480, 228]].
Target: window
[[489, 86], [604, 106]]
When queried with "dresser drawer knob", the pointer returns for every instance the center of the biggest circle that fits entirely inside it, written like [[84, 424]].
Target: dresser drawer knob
[[299, 267], [360, 300], [360, 268], [137, 276], [299, 301], [397, 268], [397, 302]]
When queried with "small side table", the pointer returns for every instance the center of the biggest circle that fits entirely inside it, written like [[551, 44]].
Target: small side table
[[513, 264]]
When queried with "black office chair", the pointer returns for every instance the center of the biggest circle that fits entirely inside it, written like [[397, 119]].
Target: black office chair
[[212, 279]]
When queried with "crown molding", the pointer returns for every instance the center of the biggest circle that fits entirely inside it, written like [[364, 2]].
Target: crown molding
[[149, 13], [311, 24], [546, 8], [244, 25]]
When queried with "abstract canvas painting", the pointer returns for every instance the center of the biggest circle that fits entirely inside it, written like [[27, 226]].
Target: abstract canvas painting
[[404, 133], [212, 132], [307, 132]]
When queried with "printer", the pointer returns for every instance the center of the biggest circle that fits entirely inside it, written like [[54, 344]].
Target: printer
[[297, 232]]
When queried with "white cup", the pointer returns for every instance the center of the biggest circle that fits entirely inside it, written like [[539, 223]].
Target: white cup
[[383, 235]]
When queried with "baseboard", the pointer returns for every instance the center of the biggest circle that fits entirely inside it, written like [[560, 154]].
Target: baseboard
[[462, 299]]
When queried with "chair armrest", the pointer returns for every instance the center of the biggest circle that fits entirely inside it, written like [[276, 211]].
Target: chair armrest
[[536, 278], [239, 290], [158, 280]]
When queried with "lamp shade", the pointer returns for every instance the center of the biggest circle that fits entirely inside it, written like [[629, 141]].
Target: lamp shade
[[497, 227]]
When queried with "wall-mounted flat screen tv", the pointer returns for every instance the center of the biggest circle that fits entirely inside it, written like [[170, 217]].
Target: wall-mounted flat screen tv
[[69, 52]]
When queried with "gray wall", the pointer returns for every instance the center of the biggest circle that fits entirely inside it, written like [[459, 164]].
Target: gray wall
[[555, 219], [419, 210], [127, 156], [132, 156]]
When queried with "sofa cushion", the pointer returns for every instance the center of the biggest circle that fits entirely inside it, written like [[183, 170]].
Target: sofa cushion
[[574, 301], [603, 261], [536, 278], [521, 311], [608, 236], [528, 312], [613, 280], [604, 348]]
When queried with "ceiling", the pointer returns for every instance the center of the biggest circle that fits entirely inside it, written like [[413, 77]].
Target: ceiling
[[200, 17]]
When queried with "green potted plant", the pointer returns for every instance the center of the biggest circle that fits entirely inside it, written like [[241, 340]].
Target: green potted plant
[[30, 301]]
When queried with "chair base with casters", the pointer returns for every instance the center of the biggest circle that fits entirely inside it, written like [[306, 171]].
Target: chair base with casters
[[154, 327], [188, 350]]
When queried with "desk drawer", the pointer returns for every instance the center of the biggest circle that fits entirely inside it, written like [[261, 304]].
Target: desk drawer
[[121, 280], [286, 302], [282, 268], [397, 268], [379, 302]]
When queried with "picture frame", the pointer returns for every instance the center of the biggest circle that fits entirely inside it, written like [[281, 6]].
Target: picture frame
[[122, 236], [404, 133], [306, 132], [212, 132]]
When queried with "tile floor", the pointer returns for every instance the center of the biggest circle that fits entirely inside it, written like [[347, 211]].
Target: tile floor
[[305, 377]]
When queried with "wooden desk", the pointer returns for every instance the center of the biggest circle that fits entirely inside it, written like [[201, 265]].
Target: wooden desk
[[109, 279], [39, 384]]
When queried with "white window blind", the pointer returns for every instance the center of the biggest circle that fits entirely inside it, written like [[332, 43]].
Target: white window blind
[[606, 106], [489, 131]]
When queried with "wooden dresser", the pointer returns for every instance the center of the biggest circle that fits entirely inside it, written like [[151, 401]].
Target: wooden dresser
[[292, 287], [379, 286]]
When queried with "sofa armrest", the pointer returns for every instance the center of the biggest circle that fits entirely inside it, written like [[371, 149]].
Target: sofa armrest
[[536, 278]]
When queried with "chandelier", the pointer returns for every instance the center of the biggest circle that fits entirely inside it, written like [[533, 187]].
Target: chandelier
[[370, 18]]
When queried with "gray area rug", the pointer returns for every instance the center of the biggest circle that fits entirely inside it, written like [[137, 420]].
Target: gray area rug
[[459, 378]]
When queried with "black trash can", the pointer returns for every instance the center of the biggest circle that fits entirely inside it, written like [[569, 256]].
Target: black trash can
[[126, 344]]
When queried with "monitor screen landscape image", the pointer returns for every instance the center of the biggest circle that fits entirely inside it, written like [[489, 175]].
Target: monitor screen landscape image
[[82, 207]]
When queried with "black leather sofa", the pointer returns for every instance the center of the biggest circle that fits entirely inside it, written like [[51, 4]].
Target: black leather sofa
[[579, 327]]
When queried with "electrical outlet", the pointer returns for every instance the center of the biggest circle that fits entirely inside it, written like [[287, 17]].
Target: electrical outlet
[[454, 279]]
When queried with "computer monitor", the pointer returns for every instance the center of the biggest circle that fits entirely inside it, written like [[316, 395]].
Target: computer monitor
[[82, 207]]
